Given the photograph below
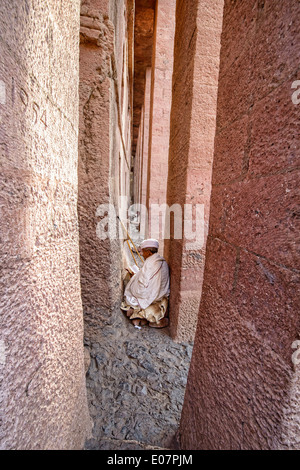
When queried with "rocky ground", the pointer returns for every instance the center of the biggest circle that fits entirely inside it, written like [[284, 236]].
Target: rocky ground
[[136, 381]]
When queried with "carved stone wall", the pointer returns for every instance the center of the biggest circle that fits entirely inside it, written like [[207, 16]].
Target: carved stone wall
[[43, 394], [104, 147], [243, 385], [193, 124]]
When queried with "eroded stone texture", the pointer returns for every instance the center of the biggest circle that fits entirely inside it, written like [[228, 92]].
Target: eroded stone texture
[[143, 46], [141, 159], [161, 98], [144, 162], [136, 382], [243, 386], [104, 147], [138, 160], [154, 64], [193, 116], [43, 395]]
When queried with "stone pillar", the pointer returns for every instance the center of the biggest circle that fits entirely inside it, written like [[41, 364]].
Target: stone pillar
[[193, 123], [243, 386], [161, 95], [104, 160], [43, 395], [143, 192], [139, 160]]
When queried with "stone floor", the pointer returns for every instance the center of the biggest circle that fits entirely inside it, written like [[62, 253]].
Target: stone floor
[[136, 382]]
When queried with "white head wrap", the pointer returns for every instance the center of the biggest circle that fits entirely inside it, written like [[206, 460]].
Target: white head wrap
[[150, 243]]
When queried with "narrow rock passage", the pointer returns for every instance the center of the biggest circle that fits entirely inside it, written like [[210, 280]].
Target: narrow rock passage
[[136, 382]]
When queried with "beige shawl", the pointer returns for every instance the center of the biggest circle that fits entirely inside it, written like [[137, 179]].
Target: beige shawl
[[149, 284]]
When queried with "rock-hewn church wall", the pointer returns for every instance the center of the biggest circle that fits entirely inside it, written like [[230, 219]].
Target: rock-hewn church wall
[[43, 395], [160, 106], [243, 385], [104, 149], [193, 123]]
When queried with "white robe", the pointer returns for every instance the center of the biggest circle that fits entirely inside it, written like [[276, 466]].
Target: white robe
[[149, 284]]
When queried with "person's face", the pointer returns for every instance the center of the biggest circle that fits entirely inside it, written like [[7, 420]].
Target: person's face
[[146, 253]]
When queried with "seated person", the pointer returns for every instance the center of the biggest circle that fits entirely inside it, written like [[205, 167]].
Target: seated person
[[146, 294]]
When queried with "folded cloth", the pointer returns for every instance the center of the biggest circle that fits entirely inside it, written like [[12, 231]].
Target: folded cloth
[[154, 313], [149, 284], [134, 268]]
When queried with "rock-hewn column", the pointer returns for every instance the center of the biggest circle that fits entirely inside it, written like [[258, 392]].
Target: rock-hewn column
[[104, 161], [139, 160], [143, 192], [193, 123], [43, 397], [161, 95], [243, 386]]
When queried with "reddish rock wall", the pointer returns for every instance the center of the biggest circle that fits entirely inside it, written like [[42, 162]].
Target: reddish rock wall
[[193, 116], [143, 46], [104, 147], [144, 163], [161, 97], [43, 395], [138, 160], [243, 383], [141, 158]]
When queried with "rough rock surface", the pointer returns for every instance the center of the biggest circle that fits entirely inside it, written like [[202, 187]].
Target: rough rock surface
[[143, 43], [42, 382], [136, 383], [192, 133], [244, 381]]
